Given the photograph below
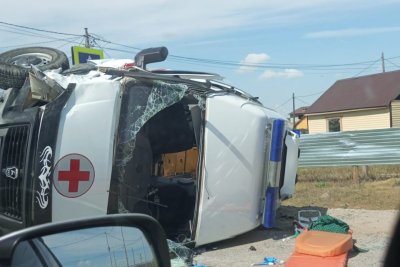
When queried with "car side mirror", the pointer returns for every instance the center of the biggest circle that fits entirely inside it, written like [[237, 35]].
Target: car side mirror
[[112, 240]]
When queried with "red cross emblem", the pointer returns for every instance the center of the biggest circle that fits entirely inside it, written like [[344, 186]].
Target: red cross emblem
[[74, 175]]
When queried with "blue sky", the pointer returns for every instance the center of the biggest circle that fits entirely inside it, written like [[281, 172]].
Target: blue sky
[[284, 37], [99, 246]]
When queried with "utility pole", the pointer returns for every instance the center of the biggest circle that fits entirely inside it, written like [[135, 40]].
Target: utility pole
[[144, 251], [109, 251], [294, 115], [133, 256], [87, 36], [115, 261], [383, 62], [126, 253]]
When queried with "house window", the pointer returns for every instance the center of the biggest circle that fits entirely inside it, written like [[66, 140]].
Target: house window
[[334, 125]]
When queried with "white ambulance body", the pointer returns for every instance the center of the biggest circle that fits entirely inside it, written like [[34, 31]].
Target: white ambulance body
[[205, 159]]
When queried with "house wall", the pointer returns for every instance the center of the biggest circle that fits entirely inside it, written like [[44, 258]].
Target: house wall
[[396, 113], [352, 120], [302, 124], [317, 124]]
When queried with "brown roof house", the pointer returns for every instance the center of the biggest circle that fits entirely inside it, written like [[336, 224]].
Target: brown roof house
[[362, 103]]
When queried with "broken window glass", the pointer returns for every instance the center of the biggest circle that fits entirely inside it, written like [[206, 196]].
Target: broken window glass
[[140, 141]]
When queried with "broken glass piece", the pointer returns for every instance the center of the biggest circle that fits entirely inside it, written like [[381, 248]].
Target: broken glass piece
[[162, 95], [202, 101]]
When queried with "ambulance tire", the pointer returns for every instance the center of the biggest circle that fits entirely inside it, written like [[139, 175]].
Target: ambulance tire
[[15, 64], [12, 76]]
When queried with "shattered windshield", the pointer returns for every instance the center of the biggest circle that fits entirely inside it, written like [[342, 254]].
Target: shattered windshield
[[160, 96]]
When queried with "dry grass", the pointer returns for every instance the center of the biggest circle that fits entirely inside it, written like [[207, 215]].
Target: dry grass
[[333, 174], [344, 193]]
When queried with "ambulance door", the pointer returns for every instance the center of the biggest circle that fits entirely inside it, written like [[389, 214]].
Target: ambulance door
[[233, 159], [292, 141]]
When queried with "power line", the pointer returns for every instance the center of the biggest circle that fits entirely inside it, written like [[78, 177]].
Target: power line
[[102, 48], [283, 65], [70, 40], [119, 50], [39, 30], [287, 101], [193, 60], [267, 66], [77, 241], [368, 67], [392, 57], [28, 33], [299, 99], [23, 31], [311, 94], [109, 42], [199, 61], [391, 62]]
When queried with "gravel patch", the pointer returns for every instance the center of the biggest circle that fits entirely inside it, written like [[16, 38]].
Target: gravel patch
[[371, 230]]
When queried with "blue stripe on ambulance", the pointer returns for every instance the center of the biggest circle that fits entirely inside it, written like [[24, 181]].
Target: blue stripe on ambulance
[[275, 158]]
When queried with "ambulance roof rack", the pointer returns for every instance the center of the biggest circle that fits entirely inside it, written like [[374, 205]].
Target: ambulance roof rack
[[195, 75]]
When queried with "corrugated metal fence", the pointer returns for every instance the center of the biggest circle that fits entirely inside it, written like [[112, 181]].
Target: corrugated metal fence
[[369, 147]]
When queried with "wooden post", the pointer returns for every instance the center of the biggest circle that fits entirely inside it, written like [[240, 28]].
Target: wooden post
[[356, 176], [363, 172]]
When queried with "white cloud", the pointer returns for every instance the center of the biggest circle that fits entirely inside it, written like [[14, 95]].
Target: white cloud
[[251, 61], [85, 263], [287, 74], [350, 32]]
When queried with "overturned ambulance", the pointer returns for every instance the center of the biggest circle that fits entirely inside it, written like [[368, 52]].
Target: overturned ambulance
[[206, 159]]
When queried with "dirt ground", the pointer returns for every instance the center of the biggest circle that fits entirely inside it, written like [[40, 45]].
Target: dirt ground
[[372, 230]]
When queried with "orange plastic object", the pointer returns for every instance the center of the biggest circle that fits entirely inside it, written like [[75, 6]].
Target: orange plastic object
[[303, 260], [324, 244]]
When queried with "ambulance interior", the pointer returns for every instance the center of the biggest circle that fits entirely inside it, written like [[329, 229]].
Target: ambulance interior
[[162, 174]]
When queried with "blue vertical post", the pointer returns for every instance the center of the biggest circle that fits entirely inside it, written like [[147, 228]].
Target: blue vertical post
[[275, 157]]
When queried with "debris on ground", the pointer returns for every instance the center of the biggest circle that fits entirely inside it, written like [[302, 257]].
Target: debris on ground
[[371, 228], [331, 224], [252, 248], [269, 261], [305, 218], [289, 237], [180, 255], [326, 241], [200, 250]]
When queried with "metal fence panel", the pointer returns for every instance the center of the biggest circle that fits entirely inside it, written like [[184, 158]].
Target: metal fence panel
[[370, 147]]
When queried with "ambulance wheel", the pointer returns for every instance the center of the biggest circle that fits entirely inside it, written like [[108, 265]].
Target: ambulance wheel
[[15, 64], [12, 76]]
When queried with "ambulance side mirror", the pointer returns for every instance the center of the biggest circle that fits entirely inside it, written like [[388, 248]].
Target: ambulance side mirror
[[114, 240], [150, 55]]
